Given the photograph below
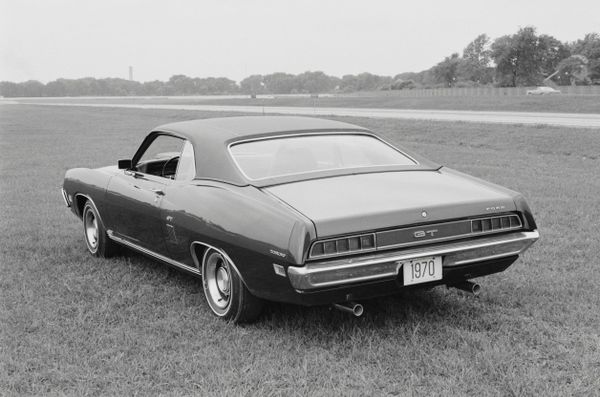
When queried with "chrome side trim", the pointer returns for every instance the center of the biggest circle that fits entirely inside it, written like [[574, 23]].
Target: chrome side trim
[[386, 265], [153, 254]]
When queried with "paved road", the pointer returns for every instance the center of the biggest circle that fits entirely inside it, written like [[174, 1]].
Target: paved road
[[589, 120]]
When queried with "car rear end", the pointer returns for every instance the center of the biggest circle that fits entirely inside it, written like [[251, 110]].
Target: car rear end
[[489, 245], [458, 233], [383, 220]]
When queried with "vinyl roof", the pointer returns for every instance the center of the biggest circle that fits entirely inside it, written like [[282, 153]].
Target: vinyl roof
[[211, 138], [229, 129]]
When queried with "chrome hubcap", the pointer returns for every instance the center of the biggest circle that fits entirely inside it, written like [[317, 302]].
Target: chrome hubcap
[[217, 282], [91, 229], [223, 280]]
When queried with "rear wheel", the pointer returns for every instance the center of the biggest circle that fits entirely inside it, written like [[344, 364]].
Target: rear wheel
[[96, 240], [225, 292]]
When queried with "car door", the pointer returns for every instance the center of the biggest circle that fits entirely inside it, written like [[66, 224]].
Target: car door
[[134, 196], [180, 206]]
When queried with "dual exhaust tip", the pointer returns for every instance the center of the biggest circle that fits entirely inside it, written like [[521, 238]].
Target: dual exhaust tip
[[468, 286], [357, 310]]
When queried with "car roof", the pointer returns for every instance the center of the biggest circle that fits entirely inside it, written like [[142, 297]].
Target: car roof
[[211, 138], [230, 129]]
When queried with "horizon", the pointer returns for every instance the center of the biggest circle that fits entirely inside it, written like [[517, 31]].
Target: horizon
[[74, 40]]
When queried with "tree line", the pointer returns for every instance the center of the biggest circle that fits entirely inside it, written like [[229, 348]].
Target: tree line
[[521, 59]]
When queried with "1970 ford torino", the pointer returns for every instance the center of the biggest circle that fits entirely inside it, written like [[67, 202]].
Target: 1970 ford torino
[[300, 210]]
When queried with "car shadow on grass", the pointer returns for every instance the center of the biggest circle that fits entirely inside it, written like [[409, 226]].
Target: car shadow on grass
[[407, 309], [412, 306]]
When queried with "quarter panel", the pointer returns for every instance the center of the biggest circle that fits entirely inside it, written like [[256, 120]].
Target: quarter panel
[[254, 229]]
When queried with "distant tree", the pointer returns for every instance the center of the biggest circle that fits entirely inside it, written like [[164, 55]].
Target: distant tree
[[56, 88], [589, 47], [155, 87], [572, 70], [526, 58], [550, 52], [349, 83], [446, 72], [279, 83], [315, 82], [478, 50], [515, 58], [423, 78], [400, 84], [372, 82], [32, 88], [180, 84], [252, 84], [10, 90], [335, 82], [364, 82], [504, 55], [475, 64], [214, 86]]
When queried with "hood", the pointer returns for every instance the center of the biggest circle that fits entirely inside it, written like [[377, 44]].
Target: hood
[[365, 202]]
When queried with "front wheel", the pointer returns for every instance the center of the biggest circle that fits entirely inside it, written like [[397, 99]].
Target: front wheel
[[225, 292], [96, 240]]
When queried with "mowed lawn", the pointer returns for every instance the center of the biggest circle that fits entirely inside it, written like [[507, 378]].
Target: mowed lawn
[[77, 325]]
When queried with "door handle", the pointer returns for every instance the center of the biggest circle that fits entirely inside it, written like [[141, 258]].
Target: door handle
[[158, 192], [134, 174]]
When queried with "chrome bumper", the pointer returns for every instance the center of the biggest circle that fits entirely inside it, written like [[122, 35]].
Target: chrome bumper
[[386, 265]]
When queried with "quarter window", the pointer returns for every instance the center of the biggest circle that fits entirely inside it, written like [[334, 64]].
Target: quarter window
[[186, 170]]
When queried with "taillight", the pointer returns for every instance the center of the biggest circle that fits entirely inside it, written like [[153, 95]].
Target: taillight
[[342, 246]]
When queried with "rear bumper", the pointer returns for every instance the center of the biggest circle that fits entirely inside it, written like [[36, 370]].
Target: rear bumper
[[316, 276]]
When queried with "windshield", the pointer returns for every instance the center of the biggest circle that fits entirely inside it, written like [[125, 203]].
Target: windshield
[[292, 155]]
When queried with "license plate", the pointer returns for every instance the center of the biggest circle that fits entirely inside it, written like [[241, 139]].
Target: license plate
[[422, 270]]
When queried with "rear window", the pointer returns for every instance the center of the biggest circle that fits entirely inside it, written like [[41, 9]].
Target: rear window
[[270, 158]]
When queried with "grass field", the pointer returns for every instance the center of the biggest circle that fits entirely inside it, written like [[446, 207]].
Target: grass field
[[552, 103], [77, 325]]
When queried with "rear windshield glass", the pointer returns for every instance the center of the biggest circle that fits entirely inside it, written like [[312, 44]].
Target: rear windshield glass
[[275, 157]]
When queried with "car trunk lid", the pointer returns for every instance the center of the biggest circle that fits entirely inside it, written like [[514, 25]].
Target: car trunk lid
[[364, 202]]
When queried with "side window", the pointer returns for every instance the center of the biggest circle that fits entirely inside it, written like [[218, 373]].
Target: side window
[[161, 157], [186, 171]]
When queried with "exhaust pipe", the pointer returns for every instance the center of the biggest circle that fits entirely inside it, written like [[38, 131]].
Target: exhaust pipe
[[353, 308], [468, 286]]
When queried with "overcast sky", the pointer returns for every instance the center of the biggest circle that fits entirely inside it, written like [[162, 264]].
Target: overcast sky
[[45, 40]]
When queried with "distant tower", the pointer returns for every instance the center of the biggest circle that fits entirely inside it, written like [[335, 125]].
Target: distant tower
[[131, 73]]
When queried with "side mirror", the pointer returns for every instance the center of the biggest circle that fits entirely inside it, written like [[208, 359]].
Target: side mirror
[[124, 164]]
